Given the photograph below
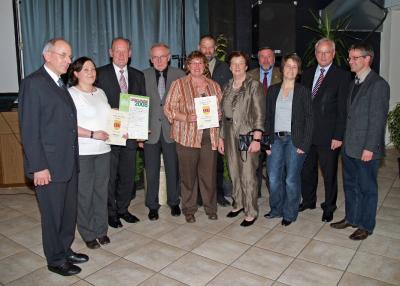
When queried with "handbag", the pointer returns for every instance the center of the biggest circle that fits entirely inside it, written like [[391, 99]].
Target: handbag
[[246, 139]]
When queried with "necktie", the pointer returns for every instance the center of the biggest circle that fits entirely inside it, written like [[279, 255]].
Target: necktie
[[357, 80], [122, 82], [161, 85], [318, 83], [60, 83], [265, 82]]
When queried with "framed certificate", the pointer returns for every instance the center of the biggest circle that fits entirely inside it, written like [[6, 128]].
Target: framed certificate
[[116, 128], [206, 112], [137, 107]]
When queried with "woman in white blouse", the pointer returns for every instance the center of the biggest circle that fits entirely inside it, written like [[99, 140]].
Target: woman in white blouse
[[94, 154]]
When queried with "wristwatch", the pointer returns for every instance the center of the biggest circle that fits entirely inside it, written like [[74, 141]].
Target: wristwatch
[[91, 134]]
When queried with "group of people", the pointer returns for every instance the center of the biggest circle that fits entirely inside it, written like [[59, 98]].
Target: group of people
[[294, 127]]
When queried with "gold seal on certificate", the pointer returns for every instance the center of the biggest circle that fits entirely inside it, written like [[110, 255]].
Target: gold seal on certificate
[[137, 107], [117, 127], [206, 112]]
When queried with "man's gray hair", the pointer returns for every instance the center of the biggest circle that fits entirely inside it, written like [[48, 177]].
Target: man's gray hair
[[325, 40], [50, 44], [122, 39], [159, 45]]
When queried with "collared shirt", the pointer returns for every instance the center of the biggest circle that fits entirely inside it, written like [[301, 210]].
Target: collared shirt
[[211, 65], [180, 99], [269, 75], [364, 75], [165, 73], [318, 72], [53, 75], [118, 74]]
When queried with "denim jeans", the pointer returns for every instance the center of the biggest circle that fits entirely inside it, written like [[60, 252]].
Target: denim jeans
[[284, 193], [361, 191]]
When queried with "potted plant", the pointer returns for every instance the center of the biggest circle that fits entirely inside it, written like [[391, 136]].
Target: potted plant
[[394, 128]]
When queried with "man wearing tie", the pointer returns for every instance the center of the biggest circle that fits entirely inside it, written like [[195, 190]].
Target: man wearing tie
[[267, 75], [47, 117], [329, 87], [364, 142], [116, 78], [158, 81]]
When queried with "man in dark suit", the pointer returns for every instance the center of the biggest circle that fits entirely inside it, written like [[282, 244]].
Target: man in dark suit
[[47, 117], [364, 142], [329, 87], [267, 74], [220, 73], [158, 81], [116, 78]]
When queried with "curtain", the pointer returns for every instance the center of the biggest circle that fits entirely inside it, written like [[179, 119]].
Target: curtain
[[90, 25]]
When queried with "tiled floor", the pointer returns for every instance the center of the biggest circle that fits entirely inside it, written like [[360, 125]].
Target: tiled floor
[[172, 252]]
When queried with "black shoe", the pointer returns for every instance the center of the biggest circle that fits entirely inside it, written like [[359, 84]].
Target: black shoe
[[128, 217], [66, 269], [234, 214], [223, 202], [153, 215], [303, 207], [175, 210], [269, 216], [104, 240], [114, 222], [285, 222], [247, 222], [327, 216], [77, 258], [93, 244]]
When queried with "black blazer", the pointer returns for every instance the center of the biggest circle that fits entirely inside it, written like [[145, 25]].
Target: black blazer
[[329, 105], [48, 124], [107, 80], [221, 74], [302, 118]]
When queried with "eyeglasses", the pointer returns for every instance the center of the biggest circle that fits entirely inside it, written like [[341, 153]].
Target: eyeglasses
[[355, 58], [63, 55], [196, 63], [154, 58]]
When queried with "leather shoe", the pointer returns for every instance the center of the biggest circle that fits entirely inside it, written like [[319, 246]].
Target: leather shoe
[[175, 210], [270, 216], [341, 224], [66, 269], [285, 222], [190, 218], [93, 244], [128, 217], [223, 202], [246, 223], [234, 214], [153, 215], [359, 234], [104, 240], [212, 216], [77, 258], [114, 222], [303, 207], [327, 216]]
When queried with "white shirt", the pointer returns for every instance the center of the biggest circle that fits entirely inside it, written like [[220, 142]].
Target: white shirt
[[53, 75], [125, 69], [93, 112], [318, 72]]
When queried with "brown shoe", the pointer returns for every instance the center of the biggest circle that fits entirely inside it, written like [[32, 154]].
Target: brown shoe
[[212, 216], [341, 224], [190, 218], [359, 234]]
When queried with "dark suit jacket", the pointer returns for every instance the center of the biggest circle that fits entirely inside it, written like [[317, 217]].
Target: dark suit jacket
[[276, 75], [48, 124], [366, 117], [221, 74], [157, 117], [107, 80], [302, 119], [329, 105]]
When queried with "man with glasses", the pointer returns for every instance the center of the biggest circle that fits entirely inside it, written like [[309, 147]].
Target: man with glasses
[[329, 87], [158, 81], [364, 142], [48, 123], [116, 78]]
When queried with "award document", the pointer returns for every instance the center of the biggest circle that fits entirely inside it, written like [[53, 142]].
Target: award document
[[117, 127], [206, 112], [137, 107]]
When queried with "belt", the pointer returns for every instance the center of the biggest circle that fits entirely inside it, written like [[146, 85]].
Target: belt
[[282, 133]]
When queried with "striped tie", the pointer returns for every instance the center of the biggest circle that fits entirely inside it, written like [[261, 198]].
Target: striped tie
[[318, 83], [122, 82]]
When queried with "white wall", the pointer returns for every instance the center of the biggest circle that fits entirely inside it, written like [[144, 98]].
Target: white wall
[[8, 54]]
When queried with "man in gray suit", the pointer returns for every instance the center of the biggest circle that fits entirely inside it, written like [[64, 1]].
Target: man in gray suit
[[364, 142], [158, 81]]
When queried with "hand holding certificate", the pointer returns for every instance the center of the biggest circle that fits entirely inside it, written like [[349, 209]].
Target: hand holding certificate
[[206, 112], [117, 127]]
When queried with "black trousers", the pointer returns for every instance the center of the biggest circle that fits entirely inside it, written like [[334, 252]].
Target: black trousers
[[58, 207], [152, 154], [122, 177], [328, 161]]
